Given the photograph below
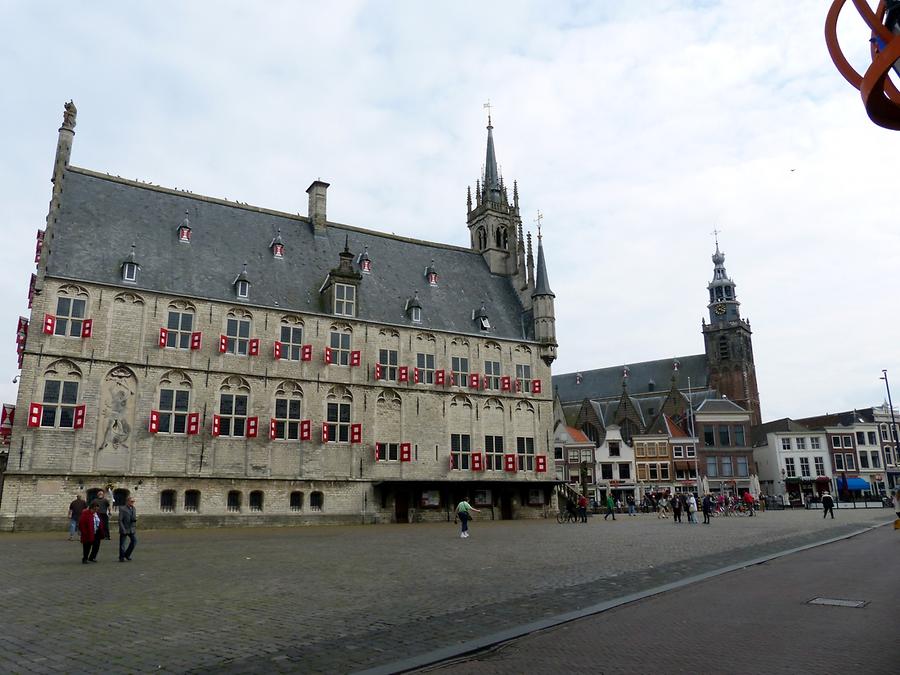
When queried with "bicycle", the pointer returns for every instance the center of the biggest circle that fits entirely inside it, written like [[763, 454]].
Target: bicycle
[[566, 517]]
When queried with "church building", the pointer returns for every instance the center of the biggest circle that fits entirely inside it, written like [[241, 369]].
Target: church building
[[686, 420], [230, 364]]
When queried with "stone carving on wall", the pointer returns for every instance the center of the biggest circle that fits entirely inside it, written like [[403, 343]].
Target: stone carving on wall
[[117, 409]]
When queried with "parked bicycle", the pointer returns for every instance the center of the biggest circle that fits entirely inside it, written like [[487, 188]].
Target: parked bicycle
[[565, 516]]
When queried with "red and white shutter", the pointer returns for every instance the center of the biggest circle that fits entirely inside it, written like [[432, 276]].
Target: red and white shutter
[[154, 422], [215, 425], [474, 381], [306, 353], [355, 358], [223, 344], [163, 337], [273, 428], [509, 462], [540, 463], [415, 375], [276, 350], [328, 355], [405, 452], [477, 461], [324, 432], [79, 417], [35, 412], [378, 452], [486, 382], [196, 339], [38, 246], [49, 324], [535, 386], [193, 423], [252, 427], [504, 383], [31, 290], [305, 430], [378, 373], [87, 328], [356, 433], [439, 378], [254, 347], [403, 374], [451, 461]]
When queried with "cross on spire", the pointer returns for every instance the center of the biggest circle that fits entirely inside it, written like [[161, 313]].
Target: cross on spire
[[488, 107], [540, 217], [716, 232]]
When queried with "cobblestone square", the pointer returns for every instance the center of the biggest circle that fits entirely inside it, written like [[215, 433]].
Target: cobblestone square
[[339, 599]]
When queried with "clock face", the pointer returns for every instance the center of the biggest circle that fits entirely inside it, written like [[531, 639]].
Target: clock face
[[720, 309]]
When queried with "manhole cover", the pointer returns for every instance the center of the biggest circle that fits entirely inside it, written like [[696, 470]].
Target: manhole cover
[[834, 602]]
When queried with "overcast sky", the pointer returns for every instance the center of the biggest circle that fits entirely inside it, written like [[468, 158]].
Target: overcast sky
[[636, 128]]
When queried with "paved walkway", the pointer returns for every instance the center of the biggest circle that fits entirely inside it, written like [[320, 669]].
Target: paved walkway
[[338, 599], [756, 620]]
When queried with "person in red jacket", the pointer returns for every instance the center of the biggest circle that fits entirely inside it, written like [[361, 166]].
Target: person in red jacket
[[91, 533]]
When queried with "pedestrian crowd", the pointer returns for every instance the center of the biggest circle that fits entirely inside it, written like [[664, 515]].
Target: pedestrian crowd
[[91, 522]]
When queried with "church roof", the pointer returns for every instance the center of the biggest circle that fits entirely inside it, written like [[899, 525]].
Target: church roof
[[100, 216], [607, 382]]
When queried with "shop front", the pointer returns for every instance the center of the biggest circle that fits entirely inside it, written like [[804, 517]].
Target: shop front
[[413, 501], [620, 490]]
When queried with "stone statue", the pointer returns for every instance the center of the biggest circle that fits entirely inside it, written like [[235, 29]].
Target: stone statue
[[69, 115], [115, 411]]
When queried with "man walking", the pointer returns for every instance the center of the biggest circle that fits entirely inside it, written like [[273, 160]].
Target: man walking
[[75, 508], [827, 505], [630, 501], [610, 507], [127, 527], [676, 508], [707, 508], [462, 512], [103, 511]]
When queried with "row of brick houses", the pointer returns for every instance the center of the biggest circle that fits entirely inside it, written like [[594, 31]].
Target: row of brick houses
[[229, 363]]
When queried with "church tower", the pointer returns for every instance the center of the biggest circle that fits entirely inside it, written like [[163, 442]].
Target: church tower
[[495, 227], [543, 309], [728, 342]]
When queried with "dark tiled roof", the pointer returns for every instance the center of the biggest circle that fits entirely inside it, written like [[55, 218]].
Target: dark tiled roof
[[785, 424], [607, 382], [845, 419], [101, 216]]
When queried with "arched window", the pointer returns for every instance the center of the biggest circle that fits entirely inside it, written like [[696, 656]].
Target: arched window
[[180, 325], [234, 501], [256, 500], [174, 400], [481, 238], [340, 343], [296, 501], [288, 411], [234, 406], [167, 501], [120, 496], [59, 403], [338, 415], [192, 501], [291, 338], [237, 332], [317, 501], [71, 310]]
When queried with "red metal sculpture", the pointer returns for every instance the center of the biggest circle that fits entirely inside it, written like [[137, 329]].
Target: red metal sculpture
[[880, 95]]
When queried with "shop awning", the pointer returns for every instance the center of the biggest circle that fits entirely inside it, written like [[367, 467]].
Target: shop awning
[[856, 483]]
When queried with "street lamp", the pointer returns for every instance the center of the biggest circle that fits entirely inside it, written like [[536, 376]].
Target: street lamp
[[893, 433]]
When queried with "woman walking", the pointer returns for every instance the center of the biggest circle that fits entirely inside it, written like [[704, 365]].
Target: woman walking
[[462, 512], [91, 533]]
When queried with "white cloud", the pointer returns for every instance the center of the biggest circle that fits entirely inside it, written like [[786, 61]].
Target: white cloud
[[635, 132]]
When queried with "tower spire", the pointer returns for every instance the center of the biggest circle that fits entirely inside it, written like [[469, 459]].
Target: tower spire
[[491, 185]]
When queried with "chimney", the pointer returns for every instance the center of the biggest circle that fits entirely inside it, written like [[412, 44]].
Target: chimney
[[316, 193]]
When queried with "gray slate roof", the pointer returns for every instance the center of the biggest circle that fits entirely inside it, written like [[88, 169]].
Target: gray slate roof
[[100, 216], [719, 405], [607, 382]]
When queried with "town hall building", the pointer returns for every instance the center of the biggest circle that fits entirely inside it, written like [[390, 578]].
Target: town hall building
[[230, 364]]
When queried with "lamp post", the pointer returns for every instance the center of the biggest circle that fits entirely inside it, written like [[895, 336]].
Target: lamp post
[[694, 440], [893, 433]]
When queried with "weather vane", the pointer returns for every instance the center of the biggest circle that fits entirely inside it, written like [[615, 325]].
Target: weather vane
[[716, 232], [540, 217], [488, 106]]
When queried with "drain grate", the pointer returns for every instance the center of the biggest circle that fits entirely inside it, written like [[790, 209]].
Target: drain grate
[[834, 602]]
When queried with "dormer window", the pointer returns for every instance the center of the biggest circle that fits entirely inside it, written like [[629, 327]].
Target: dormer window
[[184, 230], [481, 318], [344, 300], [431, 274], [242, 284], [365, 264], [130, 267], [277, 246], [414, 308], [129, 272]]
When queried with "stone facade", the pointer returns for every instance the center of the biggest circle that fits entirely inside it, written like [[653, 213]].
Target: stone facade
[[389, 457]]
